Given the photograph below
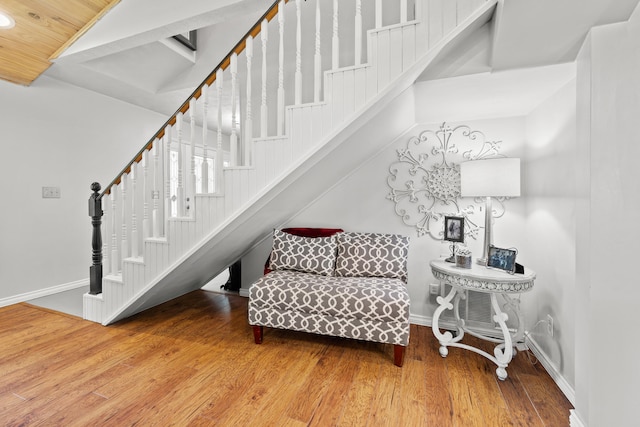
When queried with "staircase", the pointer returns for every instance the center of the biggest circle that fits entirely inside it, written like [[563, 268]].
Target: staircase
[[173, 221]]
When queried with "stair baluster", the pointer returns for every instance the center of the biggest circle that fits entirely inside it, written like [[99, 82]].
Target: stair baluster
[[264, 111], [155, 195], [124, 241], [317, 58], [358, 33], [134, 217], [106, 222], [335, 39], [248, 123], [233, 139], [205, 129], [167, 212], [115, 262], [298, 75], [180, 196], [145, 197], [192, 171], [403, 11], [219, 151], [280, 94]]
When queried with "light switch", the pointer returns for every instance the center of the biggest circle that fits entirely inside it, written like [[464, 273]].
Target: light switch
[[50, 192]]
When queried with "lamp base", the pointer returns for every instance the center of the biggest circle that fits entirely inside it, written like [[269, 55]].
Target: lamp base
[[481, 261]]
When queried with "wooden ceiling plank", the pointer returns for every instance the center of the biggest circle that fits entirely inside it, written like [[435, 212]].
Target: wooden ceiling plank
[[84, 29], [44, 29]]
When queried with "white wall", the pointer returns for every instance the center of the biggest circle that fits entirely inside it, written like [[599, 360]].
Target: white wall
[[549, 185], [540, 223], [55, 134], [359, 203], [607, 282]]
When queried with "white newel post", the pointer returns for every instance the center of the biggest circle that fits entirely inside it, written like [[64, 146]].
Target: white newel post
[[248, 124], [134, 217], [205, 128], [155, 193], [180, 189], [335, 40], [280, 100], [317, 59], [234, 134], [379, 13], [192, 172], [298, 75], [145, 196], [115, 263], [124, 241], [219, 151], [264, 36], [358, 32]]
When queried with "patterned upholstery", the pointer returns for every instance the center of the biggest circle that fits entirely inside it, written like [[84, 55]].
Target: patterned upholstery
[[372, 309], [366, 299], [372, 255], [308, 254]]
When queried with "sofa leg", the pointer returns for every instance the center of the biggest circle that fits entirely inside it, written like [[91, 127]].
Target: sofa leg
[[398, 354], [257, 334]]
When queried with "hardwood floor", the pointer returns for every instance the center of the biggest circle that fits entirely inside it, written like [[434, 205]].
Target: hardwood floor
[[192, 361]]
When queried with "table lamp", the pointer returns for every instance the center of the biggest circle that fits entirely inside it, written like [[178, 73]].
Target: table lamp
[[489, 178]]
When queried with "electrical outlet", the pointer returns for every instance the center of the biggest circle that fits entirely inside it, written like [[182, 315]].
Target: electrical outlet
[[50, 192], [434, 288], [549, 325]]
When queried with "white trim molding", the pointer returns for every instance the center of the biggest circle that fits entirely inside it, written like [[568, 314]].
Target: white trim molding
[[575, 420], [557, 377], [565, 387], [43, 292]]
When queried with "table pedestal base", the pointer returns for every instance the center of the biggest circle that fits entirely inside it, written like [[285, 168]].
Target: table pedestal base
[[502, 353]]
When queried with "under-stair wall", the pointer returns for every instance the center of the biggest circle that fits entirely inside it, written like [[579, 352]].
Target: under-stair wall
[[167, 231]]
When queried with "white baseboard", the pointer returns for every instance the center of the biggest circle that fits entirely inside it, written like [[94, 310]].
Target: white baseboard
[[244, 292], [43, 292], [416, 319], [575, 420], [562, 383], [565, 387]]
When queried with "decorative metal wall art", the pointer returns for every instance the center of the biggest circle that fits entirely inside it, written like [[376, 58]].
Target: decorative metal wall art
[[425, 179]]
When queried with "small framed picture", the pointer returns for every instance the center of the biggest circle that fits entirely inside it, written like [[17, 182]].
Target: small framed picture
[[454, 228], [503, 259]]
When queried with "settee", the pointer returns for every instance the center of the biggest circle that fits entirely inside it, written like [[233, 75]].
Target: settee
[[344, 284]]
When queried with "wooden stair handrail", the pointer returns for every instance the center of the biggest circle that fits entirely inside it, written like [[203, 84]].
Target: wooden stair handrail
[[237, 49]]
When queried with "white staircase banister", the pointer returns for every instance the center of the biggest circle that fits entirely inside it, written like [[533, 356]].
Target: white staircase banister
[[257, 165]]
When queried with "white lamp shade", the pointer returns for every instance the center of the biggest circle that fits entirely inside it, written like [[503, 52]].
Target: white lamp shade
[[490, 178]]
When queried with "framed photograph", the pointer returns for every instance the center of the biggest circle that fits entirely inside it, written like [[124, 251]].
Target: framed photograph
[[503, 259], [454, 228]]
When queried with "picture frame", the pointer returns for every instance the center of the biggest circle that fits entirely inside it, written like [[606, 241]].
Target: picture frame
[[502, 259], [454, 229]]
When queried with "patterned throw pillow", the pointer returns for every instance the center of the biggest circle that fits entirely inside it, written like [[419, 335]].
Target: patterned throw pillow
[[307, 254], [372, 255]]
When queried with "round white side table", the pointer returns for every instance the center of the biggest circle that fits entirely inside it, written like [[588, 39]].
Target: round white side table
[[495, 282]]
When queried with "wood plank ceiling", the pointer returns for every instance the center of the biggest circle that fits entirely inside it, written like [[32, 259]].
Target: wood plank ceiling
[[43, 30]]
